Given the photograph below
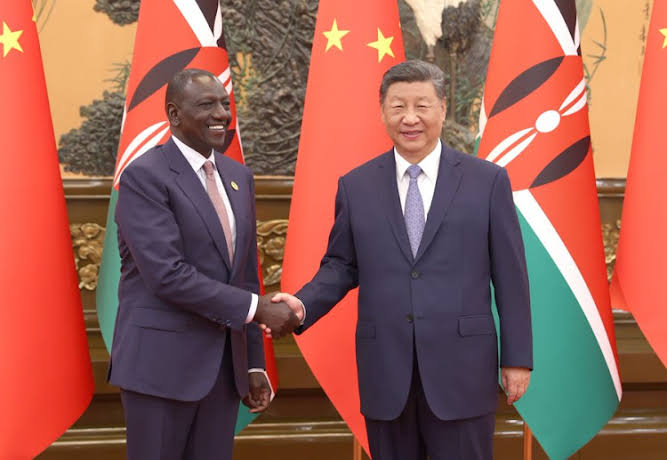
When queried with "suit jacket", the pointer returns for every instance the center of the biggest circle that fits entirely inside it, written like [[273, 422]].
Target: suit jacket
[[179, 294], [437, 304]]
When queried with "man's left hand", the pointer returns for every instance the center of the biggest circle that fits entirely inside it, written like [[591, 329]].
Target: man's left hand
[[515, 382], [259, 396]]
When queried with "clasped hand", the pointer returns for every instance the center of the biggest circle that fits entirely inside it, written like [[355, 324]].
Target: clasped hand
[[278, 314]]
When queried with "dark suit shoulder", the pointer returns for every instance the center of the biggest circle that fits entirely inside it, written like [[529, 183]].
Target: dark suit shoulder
[[150, 163]]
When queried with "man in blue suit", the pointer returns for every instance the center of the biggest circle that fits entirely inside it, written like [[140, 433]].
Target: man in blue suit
[[185, 350], [423, 231]]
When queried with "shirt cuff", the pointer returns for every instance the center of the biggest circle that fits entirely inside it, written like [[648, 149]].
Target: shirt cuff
[[253, 308], [257, 369], [303, 307]]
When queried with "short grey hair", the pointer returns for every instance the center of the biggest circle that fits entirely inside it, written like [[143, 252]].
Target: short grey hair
[[412, 71]]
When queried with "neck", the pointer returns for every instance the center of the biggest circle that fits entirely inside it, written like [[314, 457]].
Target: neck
[[416, 157]]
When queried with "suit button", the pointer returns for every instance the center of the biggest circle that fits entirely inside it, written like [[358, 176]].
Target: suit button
[[414, 275], [410, 317]]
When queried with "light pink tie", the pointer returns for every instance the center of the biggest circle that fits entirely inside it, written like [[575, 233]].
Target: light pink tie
[[219, 206]]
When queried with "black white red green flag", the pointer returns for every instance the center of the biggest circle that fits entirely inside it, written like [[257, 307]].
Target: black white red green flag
[[534, 122]]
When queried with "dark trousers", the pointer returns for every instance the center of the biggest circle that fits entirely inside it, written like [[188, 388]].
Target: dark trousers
[[418, 432], [165, 429]]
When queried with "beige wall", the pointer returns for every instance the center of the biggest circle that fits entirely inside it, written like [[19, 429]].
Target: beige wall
[[615, 85], [79, 48]]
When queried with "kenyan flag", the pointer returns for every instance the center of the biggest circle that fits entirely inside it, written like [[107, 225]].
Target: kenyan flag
[[534, 122], [171, 35]]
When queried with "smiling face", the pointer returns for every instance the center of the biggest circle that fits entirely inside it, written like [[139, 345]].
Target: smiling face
[[199, 114], [413, 115]]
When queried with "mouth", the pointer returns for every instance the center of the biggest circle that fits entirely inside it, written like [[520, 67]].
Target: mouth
[[218, 128], [411, 134]]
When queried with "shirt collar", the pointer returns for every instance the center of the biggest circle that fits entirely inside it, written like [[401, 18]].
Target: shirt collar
[[194, 158], [429, 165]]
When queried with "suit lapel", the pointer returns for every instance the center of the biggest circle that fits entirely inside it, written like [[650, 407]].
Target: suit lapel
[[188, 181], [392, 203], [446, 186], [238, 200]]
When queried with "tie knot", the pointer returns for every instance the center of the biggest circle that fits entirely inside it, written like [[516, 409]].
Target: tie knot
[[209, 168], [414, 171]]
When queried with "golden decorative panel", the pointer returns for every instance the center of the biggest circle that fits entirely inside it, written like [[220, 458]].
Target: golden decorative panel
[[610, 234], [271, 244], [87, 242]]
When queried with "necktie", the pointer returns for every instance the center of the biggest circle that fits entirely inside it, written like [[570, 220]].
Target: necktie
[[414, 210], [219, 206]]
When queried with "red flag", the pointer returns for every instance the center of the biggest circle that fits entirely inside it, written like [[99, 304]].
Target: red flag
[[534, 122], [639, 275], [354, 44], [46, 380]]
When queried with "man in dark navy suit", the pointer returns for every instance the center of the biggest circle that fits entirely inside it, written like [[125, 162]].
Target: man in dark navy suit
[[423, 231], [185, 347]]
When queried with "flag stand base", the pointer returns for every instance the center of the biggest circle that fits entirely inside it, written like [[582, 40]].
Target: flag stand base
[[356, 450], [527, 442]]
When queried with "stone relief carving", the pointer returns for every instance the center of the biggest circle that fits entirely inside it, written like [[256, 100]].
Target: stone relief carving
[[271, 244], [87, 242], [269, 44], [610, 232]]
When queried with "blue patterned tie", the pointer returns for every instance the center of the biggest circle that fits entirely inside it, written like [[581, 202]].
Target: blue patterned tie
[[414, 210]]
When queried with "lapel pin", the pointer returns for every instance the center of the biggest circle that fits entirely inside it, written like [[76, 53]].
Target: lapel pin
[[235, 185]]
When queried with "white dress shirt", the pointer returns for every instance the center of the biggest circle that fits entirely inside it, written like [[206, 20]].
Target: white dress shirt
[[196, 160], [426, 181]]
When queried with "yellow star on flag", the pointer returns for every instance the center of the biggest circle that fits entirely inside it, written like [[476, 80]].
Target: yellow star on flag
[[9, 39], [334, 37], [383, 45], [664, 32]]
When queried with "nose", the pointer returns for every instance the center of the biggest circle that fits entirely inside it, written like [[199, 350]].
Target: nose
[[221, 112], [410, 116]]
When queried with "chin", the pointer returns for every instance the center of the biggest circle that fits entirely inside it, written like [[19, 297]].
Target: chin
[[218, 145]]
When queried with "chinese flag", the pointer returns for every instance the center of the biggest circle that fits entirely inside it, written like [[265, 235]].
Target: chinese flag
[[638, 284], [45, 374], [355, 43]]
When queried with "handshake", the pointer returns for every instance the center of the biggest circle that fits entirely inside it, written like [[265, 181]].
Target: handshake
[[279, 314]]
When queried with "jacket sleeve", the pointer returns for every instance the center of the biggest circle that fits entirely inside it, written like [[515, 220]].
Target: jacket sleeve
[[338, 271], [254, 335], [509, 276]]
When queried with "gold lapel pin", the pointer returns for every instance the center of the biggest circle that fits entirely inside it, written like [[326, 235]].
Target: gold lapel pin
[[235, 185]]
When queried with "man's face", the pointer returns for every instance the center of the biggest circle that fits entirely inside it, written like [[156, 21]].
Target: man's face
[[413, 115], [201, 115]]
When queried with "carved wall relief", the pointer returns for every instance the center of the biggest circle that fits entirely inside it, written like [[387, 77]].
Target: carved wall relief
[[271, 244], [88, 239], [610, 234], [87, 242], [269, 44]]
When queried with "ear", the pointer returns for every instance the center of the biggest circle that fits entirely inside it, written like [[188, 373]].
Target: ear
[[173, 114]]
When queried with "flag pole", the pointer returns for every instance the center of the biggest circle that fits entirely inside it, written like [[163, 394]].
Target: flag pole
[[527, 442], [356, 449]]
